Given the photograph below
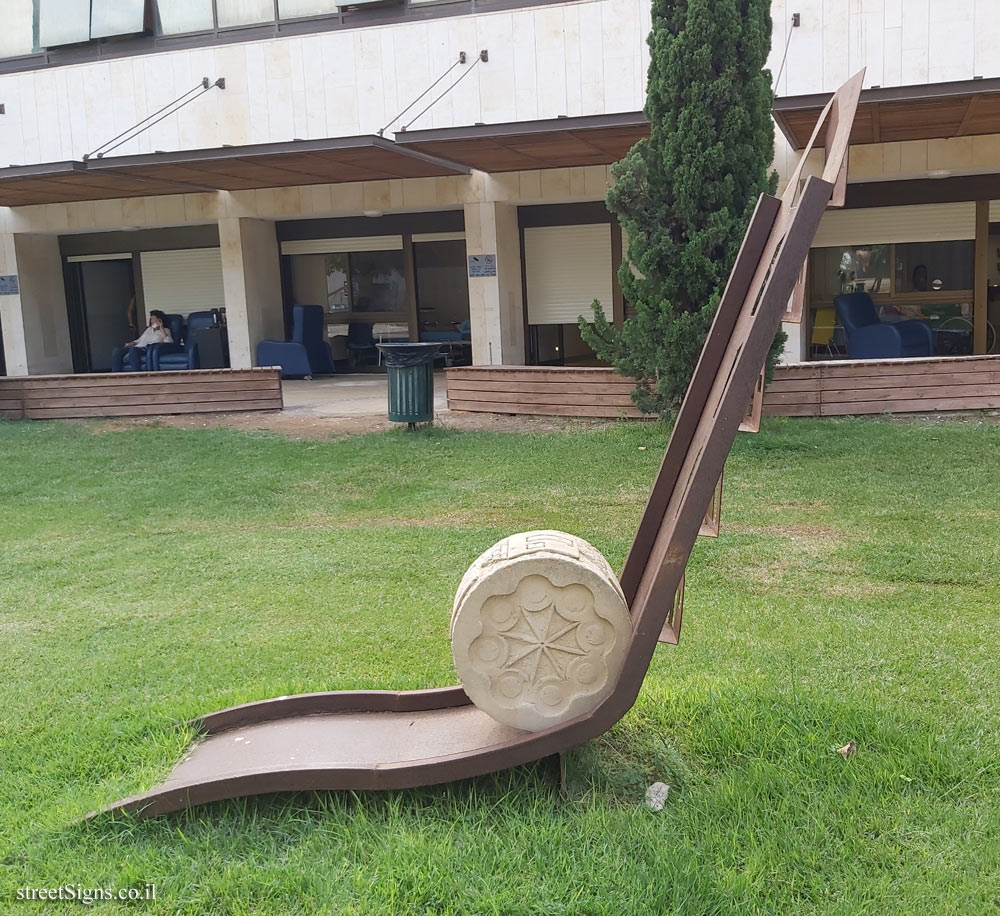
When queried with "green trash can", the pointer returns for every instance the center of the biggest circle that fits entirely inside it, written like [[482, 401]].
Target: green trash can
[[410, 368]]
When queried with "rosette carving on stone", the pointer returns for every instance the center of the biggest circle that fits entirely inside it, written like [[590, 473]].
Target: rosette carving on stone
[[540, 629]]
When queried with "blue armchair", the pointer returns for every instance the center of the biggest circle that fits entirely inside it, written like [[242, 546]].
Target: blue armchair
[[179, 355], [140, 359], [307, 353], [870, 338]]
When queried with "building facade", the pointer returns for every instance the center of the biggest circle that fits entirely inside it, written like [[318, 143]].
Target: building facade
[[419, 168]]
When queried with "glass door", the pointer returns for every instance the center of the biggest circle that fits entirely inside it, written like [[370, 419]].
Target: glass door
[[101, 299], [443, 297]]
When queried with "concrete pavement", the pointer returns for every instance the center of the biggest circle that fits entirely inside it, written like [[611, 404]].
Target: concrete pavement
[[363, 395]]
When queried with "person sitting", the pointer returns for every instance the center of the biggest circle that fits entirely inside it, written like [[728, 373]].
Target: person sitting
[[129, 357]]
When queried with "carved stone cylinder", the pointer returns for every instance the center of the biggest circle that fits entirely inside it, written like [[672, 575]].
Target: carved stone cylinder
[[539, 630]]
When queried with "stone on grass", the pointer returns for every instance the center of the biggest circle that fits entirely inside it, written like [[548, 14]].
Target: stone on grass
[[656, 796]]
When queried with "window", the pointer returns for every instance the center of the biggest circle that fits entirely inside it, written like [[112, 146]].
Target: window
[[566, 268], [176, 17], [117, 17], [294, 9], [558, 345], [377, 282], [244, 12], [63, 22], [442, 287], [925, 266], [182, 281], [929, 281], [850, 269], [338, 290], [923, 270], [364, 285], [352, 4], [17, 35]]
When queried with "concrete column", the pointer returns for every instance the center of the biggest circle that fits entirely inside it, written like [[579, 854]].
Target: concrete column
[[496, 304], [35, 323], [796, 347], [251, 282], [15, 354]]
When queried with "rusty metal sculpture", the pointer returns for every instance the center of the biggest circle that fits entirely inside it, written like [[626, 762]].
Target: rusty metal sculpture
[[522, 634]]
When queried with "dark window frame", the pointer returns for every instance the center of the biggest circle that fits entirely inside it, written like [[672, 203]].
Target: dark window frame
[[888, 297], [350, 314], [101, 49], [135, 241], [892, 295], [531, 216]]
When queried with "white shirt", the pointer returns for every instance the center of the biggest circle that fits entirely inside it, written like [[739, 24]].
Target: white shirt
[[153, 335]]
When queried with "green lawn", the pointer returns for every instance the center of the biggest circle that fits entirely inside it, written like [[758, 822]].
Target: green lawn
[[152, 574]]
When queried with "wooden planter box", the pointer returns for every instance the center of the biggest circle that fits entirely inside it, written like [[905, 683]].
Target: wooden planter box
[[841, 387], [556, 391], [139, 394]]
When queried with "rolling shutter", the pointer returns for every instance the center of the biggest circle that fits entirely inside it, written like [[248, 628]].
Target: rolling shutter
[[81, 258], [883, 225], [438, 236], [182, 281], [566, 268], [336, 246]]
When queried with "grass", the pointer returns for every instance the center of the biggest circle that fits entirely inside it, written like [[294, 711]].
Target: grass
[[151, 574]]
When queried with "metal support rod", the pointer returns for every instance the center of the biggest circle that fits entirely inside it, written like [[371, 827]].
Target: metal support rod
[[461, 60], [483, 56], [796, 22], [140, 126]]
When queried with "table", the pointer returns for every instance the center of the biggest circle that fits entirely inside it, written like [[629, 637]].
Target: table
[[213, 347]]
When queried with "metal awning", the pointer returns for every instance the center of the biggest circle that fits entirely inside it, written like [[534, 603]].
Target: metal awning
[[228, 168], [926, 112], [523, 145]]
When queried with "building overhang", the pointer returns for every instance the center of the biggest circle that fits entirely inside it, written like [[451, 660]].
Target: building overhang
[[227, 168], [526, 145], [926, 112]]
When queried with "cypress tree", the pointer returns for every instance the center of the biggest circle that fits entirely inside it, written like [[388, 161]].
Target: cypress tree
[[684, 196]]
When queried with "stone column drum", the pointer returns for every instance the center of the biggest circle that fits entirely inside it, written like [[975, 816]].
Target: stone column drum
[[539, 630]]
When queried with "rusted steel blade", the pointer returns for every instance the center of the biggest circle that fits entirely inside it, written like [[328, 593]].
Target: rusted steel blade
[[751, 419], [711, 524], [672, 625], [755, 243], [716, 427]]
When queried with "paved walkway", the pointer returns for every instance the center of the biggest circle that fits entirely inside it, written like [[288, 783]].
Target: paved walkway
[[347, 396]]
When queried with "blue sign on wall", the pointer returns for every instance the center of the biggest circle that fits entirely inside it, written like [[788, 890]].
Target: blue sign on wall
[[8, 285]]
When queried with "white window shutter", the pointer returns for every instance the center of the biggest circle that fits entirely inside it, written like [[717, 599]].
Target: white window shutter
[[566, 269], [884, 225], [182, 281], [337, 246]]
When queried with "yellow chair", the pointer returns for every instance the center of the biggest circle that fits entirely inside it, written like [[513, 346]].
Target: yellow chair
[[824, 324]]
